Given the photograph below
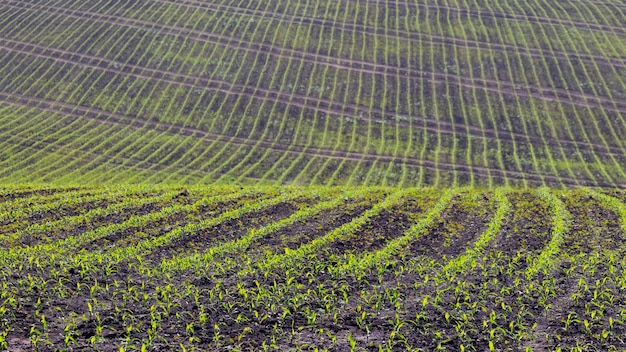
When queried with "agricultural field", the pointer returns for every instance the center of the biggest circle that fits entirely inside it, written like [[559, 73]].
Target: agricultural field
[[408, 93], [269, 268]]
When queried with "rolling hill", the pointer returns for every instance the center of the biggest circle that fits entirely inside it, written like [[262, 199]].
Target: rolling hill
[[389, 93], [346, 175]]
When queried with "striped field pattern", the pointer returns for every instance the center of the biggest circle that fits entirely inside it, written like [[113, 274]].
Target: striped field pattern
[[275, 268], [343, 92]]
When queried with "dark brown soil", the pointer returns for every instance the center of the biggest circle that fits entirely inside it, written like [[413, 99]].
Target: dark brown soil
[[407, 301], [56, 214], [617, 193], [304, 231], [593, 228], [28, 193], [379, 230], [132, 235], [77, 229], [528, 229], [230, 229], [458, 227]]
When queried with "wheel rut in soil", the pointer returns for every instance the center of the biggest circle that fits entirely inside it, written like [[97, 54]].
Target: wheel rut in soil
[[482, 171]]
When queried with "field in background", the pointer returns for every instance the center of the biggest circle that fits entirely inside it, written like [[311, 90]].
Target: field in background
[[269, 268], [391, 93]]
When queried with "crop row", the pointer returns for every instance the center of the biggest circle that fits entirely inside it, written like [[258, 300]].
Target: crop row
[[269, 268], [376, 93], [561, 92], [316, 152]]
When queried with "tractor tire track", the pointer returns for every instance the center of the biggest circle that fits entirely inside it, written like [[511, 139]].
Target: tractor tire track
[[594, 27], [541, 93], [326, 106], [173, 129], [407, 35]]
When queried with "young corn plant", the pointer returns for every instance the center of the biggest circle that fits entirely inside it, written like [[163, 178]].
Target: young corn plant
[[465, 260], [292, 256], [561, 219], [370, 259]]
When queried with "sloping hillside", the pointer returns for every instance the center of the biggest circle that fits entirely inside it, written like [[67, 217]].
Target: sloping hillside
[[392, 93]]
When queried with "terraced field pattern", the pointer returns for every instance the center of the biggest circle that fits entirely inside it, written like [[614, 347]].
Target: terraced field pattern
[[268, 268], [342, 92]]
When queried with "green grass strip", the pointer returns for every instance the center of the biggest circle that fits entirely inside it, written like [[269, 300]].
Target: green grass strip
[[560, 226]]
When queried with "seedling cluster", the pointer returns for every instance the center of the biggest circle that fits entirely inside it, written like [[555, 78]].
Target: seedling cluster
[[404, 93], [336, 269]]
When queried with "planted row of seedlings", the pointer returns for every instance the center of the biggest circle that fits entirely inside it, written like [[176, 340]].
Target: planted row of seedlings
[[330, 269], [75, 212], [165, 101]]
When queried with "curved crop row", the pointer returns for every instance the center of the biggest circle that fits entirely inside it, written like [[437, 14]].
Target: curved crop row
[[62, 247], [443, 93], [561, 219], [291, 256]]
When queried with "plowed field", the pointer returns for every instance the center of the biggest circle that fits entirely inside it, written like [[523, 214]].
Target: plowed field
[[270, 268]]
